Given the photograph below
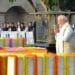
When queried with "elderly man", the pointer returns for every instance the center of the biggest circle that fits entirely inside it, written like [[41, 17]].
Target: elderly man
[[63, 33]]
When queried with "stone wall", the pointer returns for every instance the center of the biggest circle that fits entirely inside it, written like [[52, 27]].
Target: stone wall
[[14, 15]]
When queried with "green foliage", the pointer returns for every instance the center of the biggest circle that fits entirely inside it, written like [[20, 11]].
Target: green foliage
[[54, 2], [46, 2], [51, 4]]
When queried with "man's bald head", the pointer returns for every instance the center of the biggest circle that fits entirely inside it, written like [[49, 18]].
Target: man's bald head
[[61, 19]]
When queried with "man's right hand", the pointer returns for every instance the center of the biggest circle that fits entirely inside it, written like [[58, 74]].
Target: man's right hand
[[56, 30]]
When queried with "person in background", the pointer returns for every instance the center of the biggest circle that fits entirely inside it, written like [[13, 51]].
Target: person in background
[[30, 26], [13, 28], [9, 27], [22, 27], [63, 33], [15, 25], [5, 28], [34, 30], [1, 26], [18, 26]]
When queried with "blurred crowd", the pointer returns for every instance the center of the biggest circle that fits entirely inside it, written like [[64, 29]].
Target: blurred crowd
[[16, 26]]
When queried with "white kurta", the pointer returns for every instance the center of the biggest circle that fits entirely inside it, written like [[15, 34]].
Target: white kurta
[[63, 37]]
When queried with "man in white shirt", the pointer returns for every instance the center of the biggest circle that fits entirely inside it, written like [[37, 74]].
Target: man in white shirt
[[18, 27], [63, 35]]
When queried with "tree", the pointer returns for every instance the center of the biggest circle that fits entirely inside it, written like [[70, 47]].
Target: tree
[[51, 4]]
